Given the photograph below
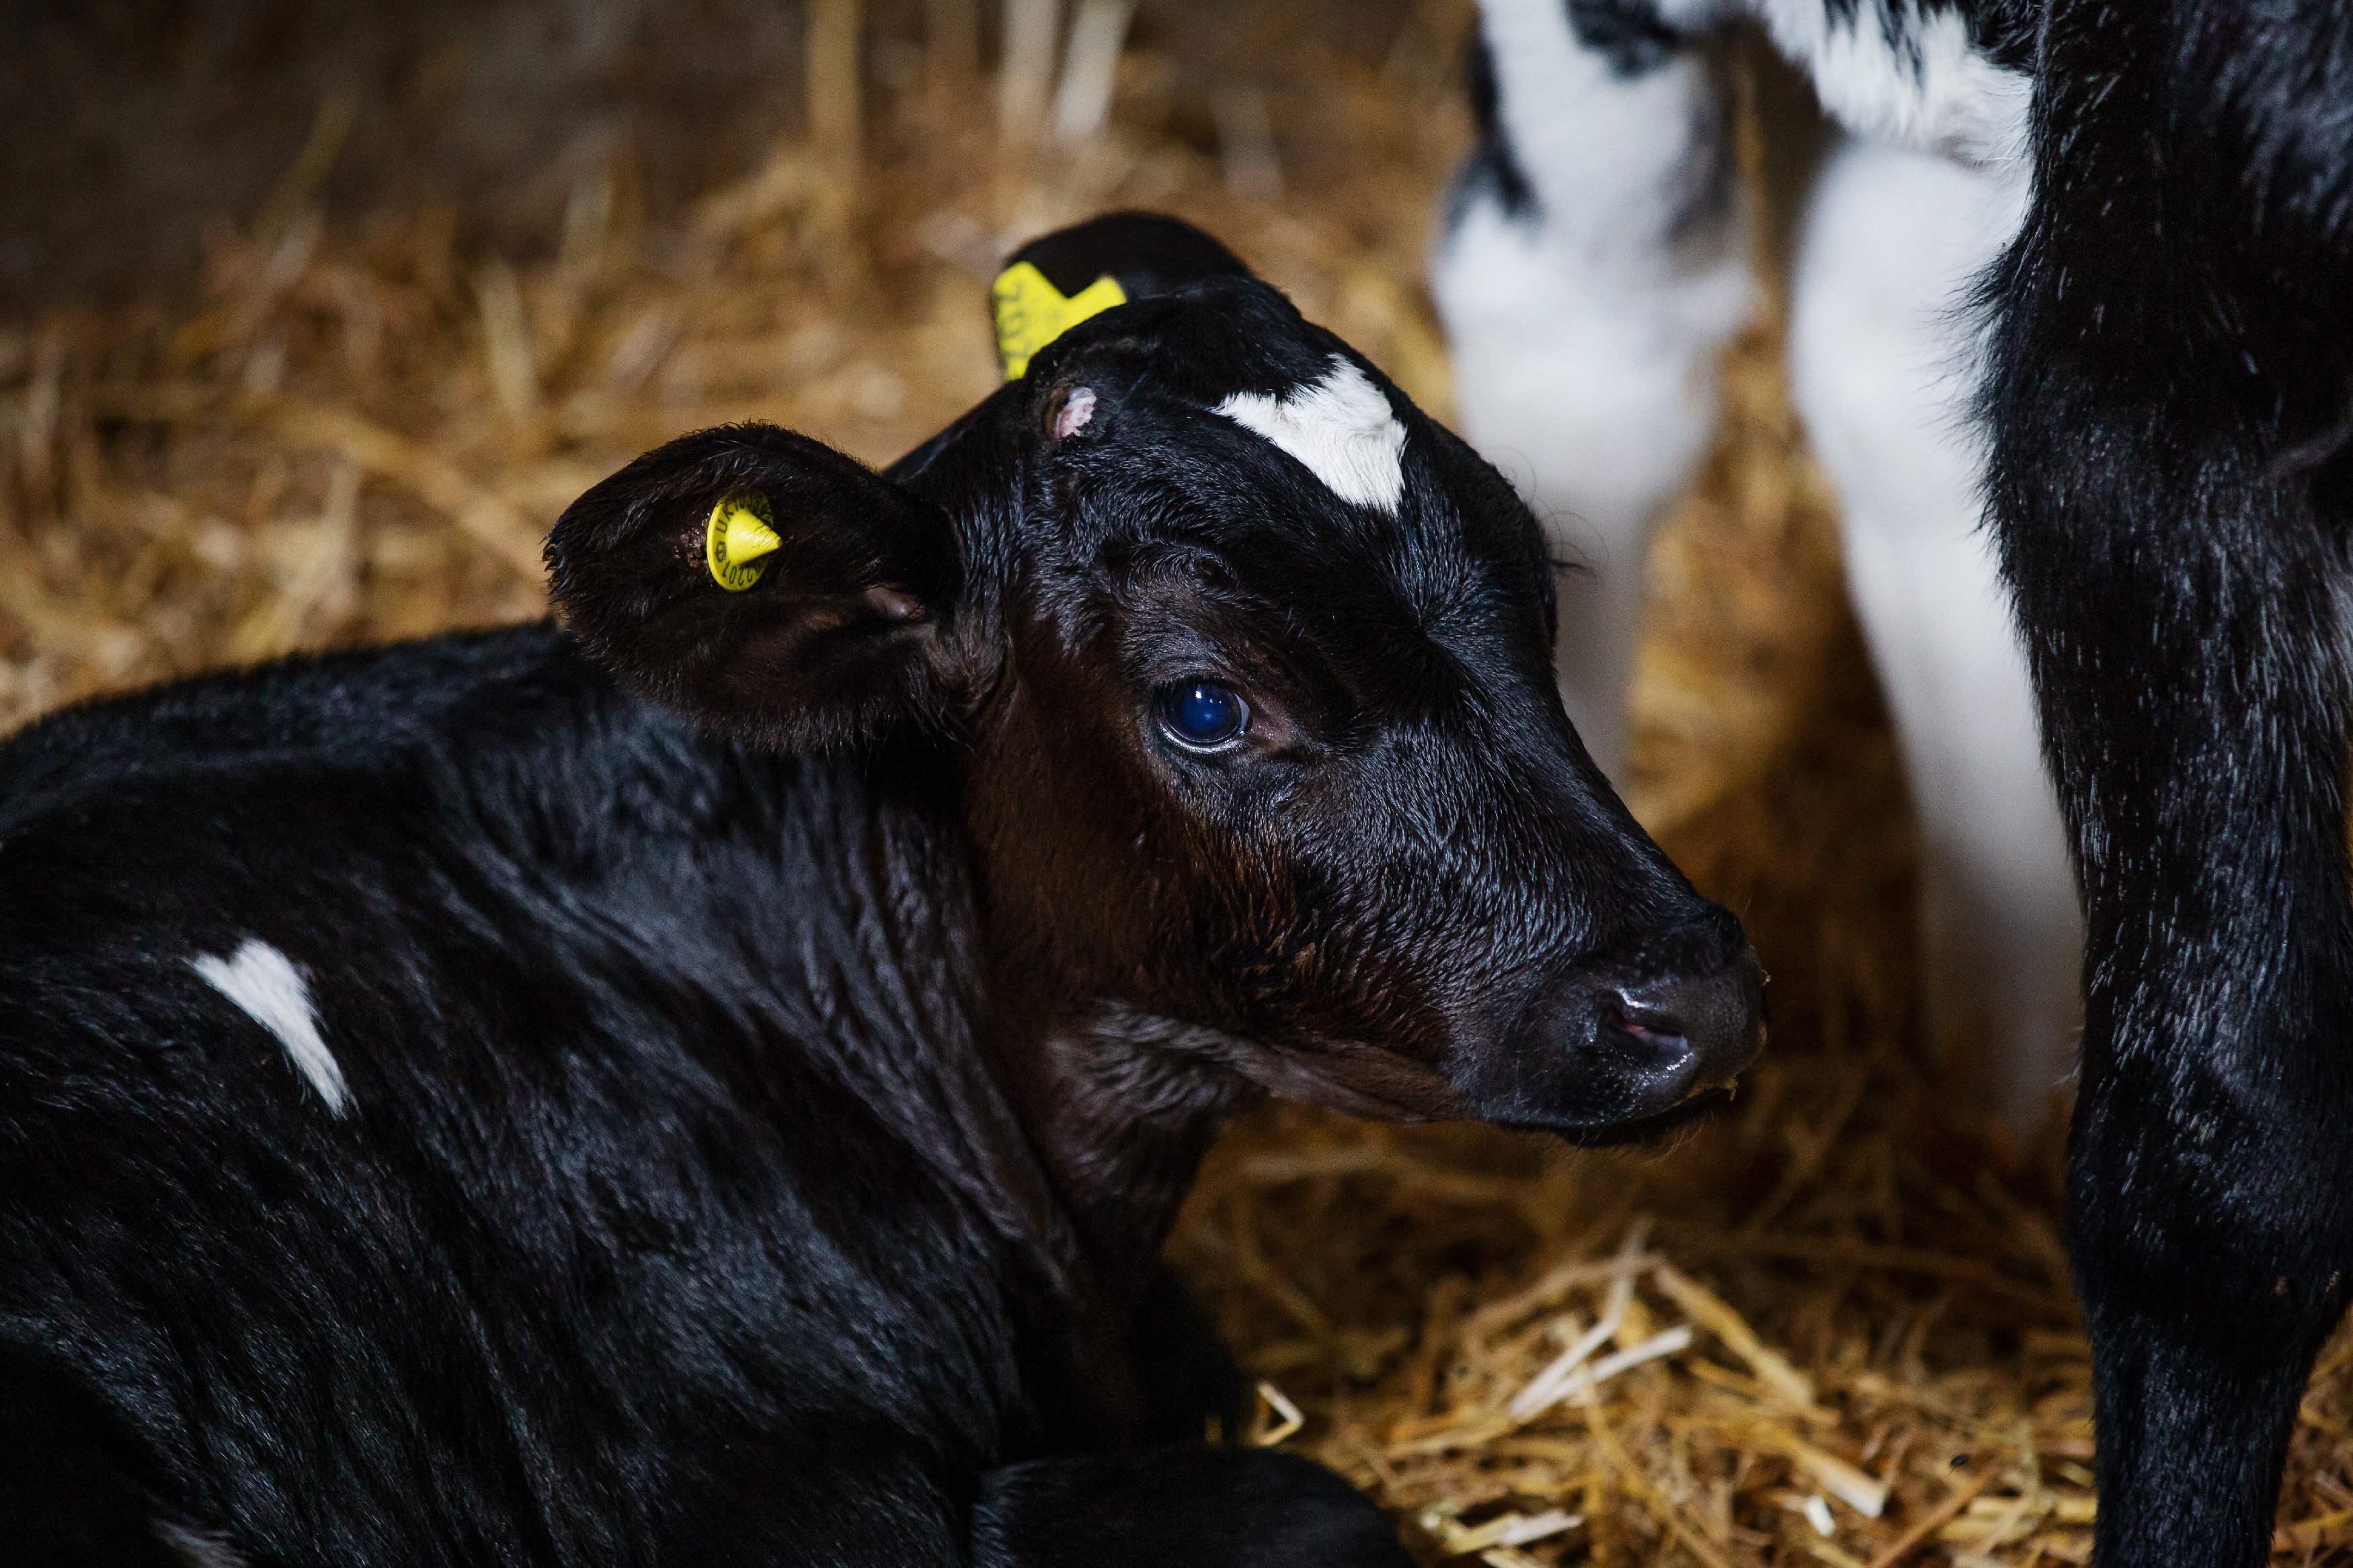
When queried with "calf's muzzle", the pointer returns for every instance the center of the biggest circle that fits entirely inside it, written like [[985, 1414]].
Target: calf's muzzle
[[1619, 1047], [1695, 1032]]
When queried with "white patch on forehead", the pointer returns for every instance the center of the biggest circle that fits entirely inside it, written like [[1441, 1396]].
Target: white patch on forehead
[[1340, 426], [264, 982]]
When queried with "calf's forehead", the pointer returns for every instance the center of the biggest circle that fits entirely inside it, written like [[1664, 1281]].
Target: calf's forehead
[[1218, 417], [1233, 513], [1235, 351]]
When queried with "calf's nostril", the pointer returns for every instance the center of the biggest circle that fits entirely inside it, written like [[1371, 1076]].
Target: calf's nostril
[[1605, 1051], [1663, 1032], [1715, 1022]]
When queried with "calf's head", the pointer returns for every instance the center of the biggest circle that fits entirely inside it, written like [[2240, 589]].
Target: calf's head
[[1245, 666]]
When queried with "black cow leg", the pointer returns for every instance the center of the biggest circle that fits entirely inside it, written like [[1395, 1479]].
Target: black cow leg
[[2171, 484], [2182, 603], [2195, 1409], [2209, 1233], [1179, 1508], [2211, 1170]]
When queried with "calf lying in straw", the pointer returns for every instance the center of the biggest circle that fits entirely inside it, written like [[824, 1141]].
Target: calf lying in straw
[[710, 1085]]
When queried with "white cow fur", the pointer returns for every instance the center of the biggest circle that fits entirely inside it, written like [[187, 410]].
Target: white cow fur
[[1958, 103], [1585, 337], [1881, 369], [1585, 343]]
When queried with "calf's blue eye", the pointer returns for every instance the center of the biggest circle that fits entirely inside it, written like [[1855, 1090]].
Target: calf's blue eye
[[1202, 714]]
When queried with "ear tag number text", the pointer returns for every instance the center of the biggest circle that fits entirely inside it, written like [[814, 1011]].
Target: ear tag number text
[[741, 530], [1031, 312]]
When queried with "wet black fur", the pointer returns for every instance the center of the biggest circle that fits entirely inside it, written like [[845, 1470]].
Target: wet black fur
[[768, 1101]]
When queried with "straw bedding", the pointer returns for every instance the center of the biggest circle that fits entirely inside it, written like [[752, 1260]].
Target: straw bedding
[[1833, 1325]]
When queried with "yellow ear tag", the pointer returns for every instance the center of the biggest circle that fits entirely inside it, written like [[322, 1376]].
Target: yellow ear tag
[[1031, 312], [741, 531]]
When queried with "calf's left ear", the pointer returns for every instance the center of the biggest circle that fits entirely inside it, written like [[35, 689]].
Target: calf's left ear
[[766, 586]]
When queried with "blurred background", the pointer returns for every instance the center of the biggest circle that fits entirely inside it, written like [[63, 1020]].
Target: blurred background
[[313, 317], [318, 315]]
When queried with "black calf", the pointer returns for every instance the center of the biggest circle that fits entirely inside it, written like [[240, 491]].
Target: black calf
[[453, 1108]]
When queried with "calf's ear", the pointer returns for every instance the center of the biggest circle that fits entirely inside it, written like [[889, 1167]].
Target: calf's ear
[[766, 586]]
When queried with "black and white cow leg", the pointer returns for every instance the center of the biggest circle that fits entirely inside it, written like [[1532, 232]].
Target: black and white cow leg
[[1883, 367], [1178, 1508], [1594, 263]]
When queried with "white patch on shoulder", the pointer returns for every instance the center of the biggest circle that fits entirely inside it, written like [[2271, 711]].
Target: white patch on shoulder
[[264, 982], [1341, 427], [1954, 100]]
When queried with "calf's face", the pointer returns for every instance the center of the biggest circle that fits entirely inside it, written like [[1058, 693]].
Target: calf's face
[[1247, 666]]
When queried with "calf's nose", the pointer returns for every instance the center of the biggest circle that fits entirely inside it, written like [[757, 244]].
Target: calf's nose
[[1604, 1051], [1679, 1035]]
